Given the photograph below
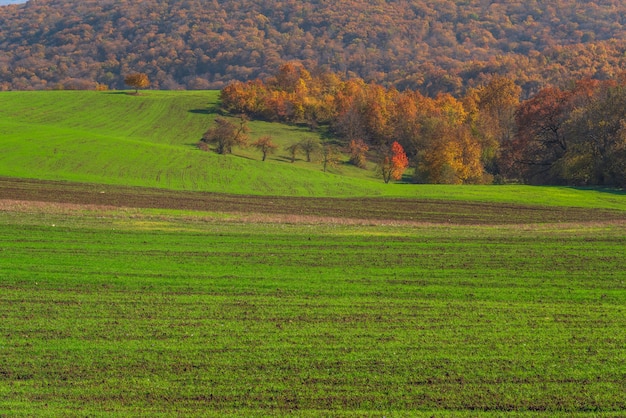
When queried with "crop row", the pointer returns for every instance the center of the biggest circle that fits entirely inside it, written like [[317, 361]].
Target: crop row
[[139, 313]]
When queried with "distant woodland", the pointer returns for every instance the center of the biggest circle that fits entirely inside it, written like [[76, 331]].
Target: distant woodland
[[425, 45]]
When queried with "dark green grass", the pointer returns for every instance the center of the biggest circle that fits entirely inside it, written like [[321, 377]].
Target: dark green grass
[[125, 313]]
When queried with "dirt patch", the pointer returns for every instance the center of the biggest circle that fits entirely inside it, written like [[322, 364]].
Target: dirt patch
[[85, 196], [49, 207]]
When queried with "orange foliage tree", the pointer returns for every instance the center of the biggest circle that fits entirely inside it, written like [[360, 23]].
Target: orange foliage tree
[[393, 163], [453, 157], [137, 81]]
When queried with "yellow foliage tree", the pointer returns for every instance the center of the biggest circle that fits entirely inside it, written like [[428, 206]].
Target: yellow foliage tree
[[137, 81], [453, 157]]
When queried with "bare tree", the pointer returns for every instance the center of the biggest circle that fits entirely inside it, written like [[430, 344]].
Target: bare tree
[[226, 134], [265, 145], [330, 157], [293, 150], [309, 146]]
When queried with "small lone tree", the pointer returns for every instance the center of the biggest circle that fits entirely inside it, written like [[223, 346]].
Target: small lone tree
[[293, 150], [226, 135], [393, 163], [265, 145], [330, 157], [137, 81], [309, 146]]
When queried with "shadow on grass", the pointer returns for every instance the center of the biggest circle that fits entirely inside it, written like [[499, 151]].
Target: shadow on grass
[[601, 189], [194, 145], [128, 93], [285, 158], [212, 110]]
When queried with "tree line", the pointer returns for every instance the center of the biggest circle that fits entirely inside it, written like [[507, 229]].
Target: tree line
[[573, 134]]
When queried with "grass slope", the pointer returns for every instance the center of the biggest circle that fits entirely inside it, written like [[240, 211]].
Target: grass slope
[[124, 313], [148, 141]]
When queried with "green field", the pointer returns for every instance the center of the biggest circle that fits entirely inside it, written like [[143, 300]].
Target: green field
[[153, 312], [140, 276]]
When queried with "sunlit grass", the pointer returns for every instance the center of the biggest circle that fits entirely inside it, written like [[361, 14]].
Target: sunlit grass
[[124, 311], [150, 140], [132, 312]]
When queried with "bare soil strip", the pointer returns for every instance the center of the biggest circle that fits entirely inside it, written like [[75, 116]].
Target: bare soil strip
[[90, 196]]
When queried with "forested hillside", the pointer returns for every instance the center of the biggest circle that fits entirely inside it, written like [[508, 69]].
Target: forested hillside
[[431, 46], [573, 136]]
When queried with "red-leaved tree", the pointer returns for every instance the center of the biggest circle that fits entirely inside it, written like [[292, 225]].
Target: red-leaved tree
[[393, 163]]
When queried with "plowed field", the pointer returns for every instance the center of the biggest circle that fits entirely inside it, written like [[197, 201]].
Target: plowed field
[[413, 210]]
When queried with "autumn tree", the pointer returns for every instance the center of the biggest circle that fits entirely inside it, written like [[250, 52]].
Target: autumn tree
[[265, 145], [349, 123], [541, 139], [596, 154], [451, 157], [497, 101], [358, 153], [137, 81], [549, 129], [393, 163], [492, 110], [409, 108], [377, 111], [225, 135], [291, 76], [349, 101], [245, 98]]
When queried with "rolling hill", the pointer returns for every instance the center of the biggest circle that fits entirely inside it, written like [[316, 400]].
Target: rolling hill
[[147, 140], [150, 141]]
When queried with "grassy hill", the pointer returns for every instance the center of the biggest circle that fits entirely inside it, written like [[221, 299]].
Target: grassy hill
[[149, 141]]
